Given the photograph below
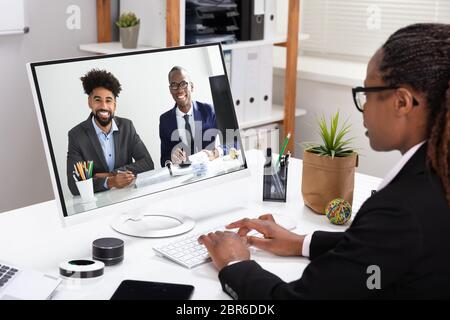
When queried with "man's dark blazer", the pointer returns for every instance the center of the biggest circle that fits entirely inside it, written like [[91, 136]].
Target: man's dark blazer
[[85, 146], [203, 112], [404, 229]]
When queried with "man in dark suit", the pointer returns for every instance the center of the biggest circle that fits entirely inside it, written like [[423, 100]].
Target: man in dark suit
[[397, 245], [190, 126], [111, 142]]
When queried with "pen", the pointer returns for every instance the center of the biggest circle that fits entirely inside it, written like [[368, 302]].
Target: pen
[[91, 168], [286, 140]]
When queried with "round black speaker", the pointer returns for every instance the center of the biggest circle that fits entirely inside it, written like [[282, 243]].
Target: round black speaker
[[108, 250]]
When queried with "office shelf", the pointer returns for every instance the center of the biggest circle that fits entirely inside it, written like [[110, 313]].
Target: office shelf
[[248, 44], [174, 18], [109, 48], [116, 46], [276, 115]]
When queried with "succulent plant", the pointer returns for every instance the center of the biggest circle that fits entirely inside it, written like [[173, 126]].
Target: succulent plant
[[127, 19]]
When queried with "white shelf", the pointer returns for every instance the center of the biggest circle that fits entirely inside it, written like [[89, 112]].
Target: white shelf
[[116, 47], [109, 48], [247, 44], [341, 72], [276, 115]]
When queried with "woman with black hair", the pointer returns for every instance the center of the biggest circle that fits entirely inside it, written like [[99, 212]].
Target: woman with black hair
[[397, 245]]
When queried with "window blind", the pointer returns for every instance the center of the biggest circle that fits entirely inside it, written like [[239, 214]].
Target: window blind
[[359, 27]]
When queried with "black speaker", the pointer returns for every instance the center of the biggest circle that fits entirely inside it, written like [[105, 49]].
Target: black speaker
[[108, 250]]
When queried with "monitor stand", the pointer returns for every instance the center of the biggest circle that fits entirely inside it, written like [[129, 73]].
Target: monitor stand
[[152, 225]]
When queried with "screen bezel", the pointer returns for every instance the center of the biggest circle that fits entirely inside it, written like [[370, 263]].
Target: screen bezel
[[51, 159]]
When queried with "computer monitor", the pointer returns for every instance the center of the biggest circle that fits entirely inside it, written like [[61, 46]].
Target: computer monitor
[[116, 134]]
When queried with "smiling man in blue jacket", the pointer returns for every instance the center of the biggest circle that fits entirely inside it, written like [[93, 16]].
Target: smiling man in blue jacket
[[190, 126]]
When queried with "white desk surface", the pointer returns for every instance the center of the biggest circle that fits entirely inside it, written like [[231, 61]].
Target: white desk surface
[[33, 237]]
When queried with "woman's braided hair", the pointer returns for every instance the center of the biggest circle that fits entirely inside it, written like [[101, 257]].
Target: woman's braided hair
[[419, 56]]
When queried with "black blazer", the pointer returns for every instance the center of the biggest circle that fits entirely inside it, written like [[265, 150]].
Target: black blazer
[[404, 229], [203, 112], [84, 146]]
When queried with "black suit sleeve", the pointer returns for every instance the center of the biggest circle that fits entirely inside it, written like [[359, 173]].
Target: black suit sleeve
[[142, 159], [386, 238], [213, 123], [322, 241], [165, 148], [74, 155]]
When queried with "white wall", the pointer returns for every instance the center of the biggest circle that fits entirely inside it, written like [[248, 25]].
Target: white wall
[[27, 180]]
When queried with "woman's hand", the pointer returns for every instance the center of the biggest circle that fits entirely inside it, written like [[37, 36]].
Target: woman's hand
[[225, 247], [276, 239]]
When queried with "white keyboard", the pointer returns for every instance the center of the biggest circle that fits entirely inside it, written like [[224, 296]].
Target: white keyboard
[[186, 251], [189, 253]]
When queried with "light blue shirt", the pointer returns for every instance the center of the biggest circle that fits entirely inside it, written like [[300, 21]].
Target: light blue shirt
[[107, 143]]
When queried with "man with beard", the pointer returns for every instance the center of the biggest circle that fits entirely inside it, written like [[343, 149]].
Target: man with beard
[[111, 142], [190, 126]]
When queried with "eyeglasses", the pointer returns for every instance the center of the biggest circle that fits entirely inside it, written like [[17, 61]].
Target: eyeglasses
[[360, 98], [175, 86]]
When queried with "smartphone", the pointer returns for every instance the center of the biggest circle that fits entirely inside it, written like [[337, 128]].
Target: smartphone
[[149, 290]]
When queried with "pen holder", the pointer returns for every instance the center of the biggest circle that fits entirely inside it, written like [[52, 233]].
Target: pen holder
[[86, 190], [275, 183]]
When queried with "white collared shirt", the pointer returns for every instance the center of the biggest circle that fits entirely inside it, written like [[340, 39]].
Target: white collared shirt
[[389, 177], [107, 143], [181, 123]]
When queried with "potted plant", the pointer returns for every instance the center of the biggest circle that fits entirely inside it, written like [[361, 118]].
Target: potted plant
[[329, 167], [128, 25]]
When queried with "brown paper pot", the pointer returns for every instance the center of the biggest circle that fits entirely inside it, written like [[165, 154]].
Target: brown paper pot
[[325, 178], [129, 37]]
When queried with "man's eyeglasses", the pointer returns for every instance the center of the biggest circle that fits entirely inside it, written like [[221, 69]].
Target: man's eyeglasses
[[175, 86], [360, 98]]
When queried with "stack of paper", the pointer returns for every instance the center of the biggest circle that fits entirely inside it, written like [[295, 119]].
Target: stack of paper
[[152, 177]]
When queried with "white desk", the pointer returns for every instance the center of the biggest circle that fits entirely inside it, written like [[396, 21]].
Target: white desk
[[33, 237]]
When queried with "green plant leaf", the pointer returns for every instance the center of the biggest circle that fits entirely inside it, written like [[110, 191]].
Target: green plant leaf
[[334, 124], [324, 132], [127, 19], [334, 143]]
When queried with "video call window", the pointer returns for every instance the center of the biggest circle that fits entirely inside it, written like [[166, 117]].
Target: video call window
[[122, 126]]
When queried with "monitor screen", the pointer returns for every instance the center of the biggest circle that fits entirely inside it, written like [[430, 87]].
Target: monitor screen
[[121, 127]]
